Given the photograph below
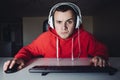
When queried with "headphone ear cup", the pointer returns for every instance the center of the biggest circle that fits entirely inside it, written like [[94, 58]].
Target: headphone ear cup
[[78, 22], [50, 21]]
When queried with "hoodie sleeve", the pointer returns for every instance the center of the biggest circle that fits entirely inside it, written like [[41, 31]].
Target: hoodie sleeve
[[30, 51], [96, 48]]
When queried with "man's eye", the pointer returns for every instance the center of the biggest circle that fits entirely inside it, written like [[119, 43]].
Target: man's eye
[[58, 22], [70, 22]]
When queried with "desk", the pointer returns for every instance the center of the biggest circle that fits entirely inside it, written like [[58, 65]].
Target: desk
[[25, 75]]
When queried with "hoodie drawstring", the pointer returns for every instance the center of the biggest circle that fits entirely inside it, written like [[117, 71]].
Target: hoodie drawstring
[[72, 55], [57, 48], [72, 47], [79, 45]]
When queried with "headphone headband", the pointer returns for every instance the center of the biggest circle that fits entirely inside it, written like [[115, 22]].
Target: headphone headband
[[73, 6]]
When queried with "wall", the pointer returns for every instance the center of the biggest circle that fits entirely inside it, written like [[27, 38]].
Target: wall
[[88, 23], [33, 26], [10, 35], [107, 28]]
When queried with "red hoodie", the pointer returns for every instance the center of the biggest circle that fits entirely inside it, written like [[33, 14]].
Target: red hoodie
[[50, 45]]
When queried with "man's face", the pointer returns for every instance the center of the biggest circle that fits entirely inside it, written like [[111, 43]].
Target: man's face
[[64, 23]]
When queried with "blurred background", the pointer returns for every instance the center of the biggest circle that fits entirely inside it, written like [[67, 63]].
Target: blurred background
[[21, 21]]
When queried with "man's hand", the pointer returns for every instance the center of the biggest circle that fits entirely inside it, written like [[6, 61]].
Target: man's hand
[[11, 63], [98, 61]]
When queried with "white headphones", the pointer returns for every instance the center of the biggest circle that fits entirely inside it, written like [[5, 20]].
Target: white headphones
[[75, 8]]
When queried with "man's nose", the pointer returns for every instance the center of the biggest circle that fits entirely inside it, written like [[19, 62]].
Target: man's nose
[[64, 26]]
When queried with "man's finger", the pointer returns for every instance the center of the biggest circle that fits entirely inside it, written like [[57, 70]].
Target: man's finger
[[99, 62], [6, 65], [12, 63], [95, 61], [104, 63], [21, 66]]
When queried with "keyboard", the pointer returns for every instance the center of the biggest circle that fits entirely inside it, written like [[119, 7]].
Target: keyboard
[[72, 69]]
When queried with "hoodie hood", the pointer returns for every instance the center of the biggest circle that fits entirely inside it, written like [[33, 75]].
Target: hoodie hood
[[75, 34]]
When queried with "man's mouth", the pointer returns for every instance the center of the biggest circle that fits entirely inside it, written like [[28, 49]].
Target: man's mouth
[[64, 32]]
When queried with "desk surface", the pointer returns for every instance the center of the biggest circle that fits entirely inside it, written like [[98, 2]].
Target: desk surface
[[25, 75]]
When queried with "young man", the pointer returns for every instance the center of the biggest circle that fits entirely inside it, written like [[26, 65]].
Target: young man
[[65, 39]]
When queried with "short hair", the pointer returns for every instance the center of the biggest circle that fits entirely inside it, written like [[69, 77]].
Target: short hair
[[64, 8]]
